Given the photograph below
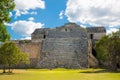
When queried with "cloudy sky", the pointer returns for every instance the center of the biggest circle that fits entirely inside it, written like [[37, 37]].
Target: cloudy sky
[[31, 14]]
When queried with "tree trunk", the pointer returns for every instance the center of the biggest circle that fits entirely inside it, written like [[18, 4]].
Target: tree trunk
[[114, 63], [9, 68], [114, 67], [4, 69]]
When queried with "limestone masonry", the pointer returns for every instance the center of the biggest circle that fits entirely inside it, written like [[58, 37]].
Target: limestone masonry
[[68, 46]]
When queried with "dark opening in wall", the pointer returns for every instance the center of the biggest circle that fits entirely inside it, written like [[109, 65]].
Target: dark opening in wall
[[91, 36], [66, 30], [94, 53], [118, 66], [44, 36]]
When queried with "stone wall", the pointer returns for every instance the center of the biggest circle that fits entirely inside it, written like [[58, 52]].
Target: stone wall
[[95, 34], [98, 36], [66, 47], [33, 49]]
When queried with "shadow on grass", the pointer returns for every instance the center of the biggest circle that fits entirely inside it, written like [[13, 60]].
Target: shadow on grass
[[99, 71], [7, 73]]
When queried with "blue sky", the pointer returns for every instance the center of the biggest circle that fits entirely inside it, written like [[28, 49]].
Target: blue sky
[[31, 14]]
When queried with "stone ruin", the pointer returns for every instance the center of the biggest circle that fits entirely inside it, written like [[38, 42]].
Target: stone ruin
[[68, 46]]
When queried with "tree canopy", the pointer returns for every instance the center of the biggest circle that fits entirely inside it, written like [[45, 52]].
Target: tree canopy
[[5, 7], [4, 35], [108, 50], [11, 55]]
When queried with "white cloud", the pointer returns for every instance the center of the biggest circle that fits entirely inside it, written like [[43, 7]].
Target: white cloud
[[61, 14], [24, 28], [95, 12], [29, 4], [22, 7], [31, 19], [33, 12], [10, 14], [26, 38], [83, 26], [19, 13], [111, 30]]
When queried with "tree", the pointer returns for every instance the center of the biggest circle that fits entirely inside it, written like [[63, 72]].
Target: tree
[[11, 55], [6, 6], [114, 52], [116, 33], [108, 50], [4, 36], [101, 47]]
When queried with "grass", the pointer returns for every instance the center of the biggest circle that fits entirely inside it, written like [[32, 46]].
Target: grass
[[60, 74]]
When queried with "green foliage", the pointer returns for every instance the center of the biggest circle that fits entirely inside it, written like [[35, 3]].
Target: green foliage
[[101, 48], [10, 55], [108, 50], [114, 52], [116, 33], [4, 36], [5, 7]]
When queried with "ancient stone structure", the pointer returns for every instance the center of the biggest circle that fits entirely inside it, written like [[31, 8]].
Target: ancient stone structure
[[68, 46], [96, 33]]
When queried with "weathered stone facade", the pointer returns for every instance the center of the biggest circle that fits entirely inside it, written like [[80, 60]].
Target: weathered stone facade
[[68, 46], [31, 48], [94, 34]]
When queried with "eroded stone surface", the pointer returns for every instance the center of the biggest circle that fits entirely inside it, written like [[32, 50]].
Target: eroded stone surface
[[65, 47], [68, 46]]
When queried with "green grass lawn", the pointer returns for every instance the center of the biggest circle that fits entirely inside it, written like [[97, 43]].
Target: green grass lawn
[[60, 74]]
